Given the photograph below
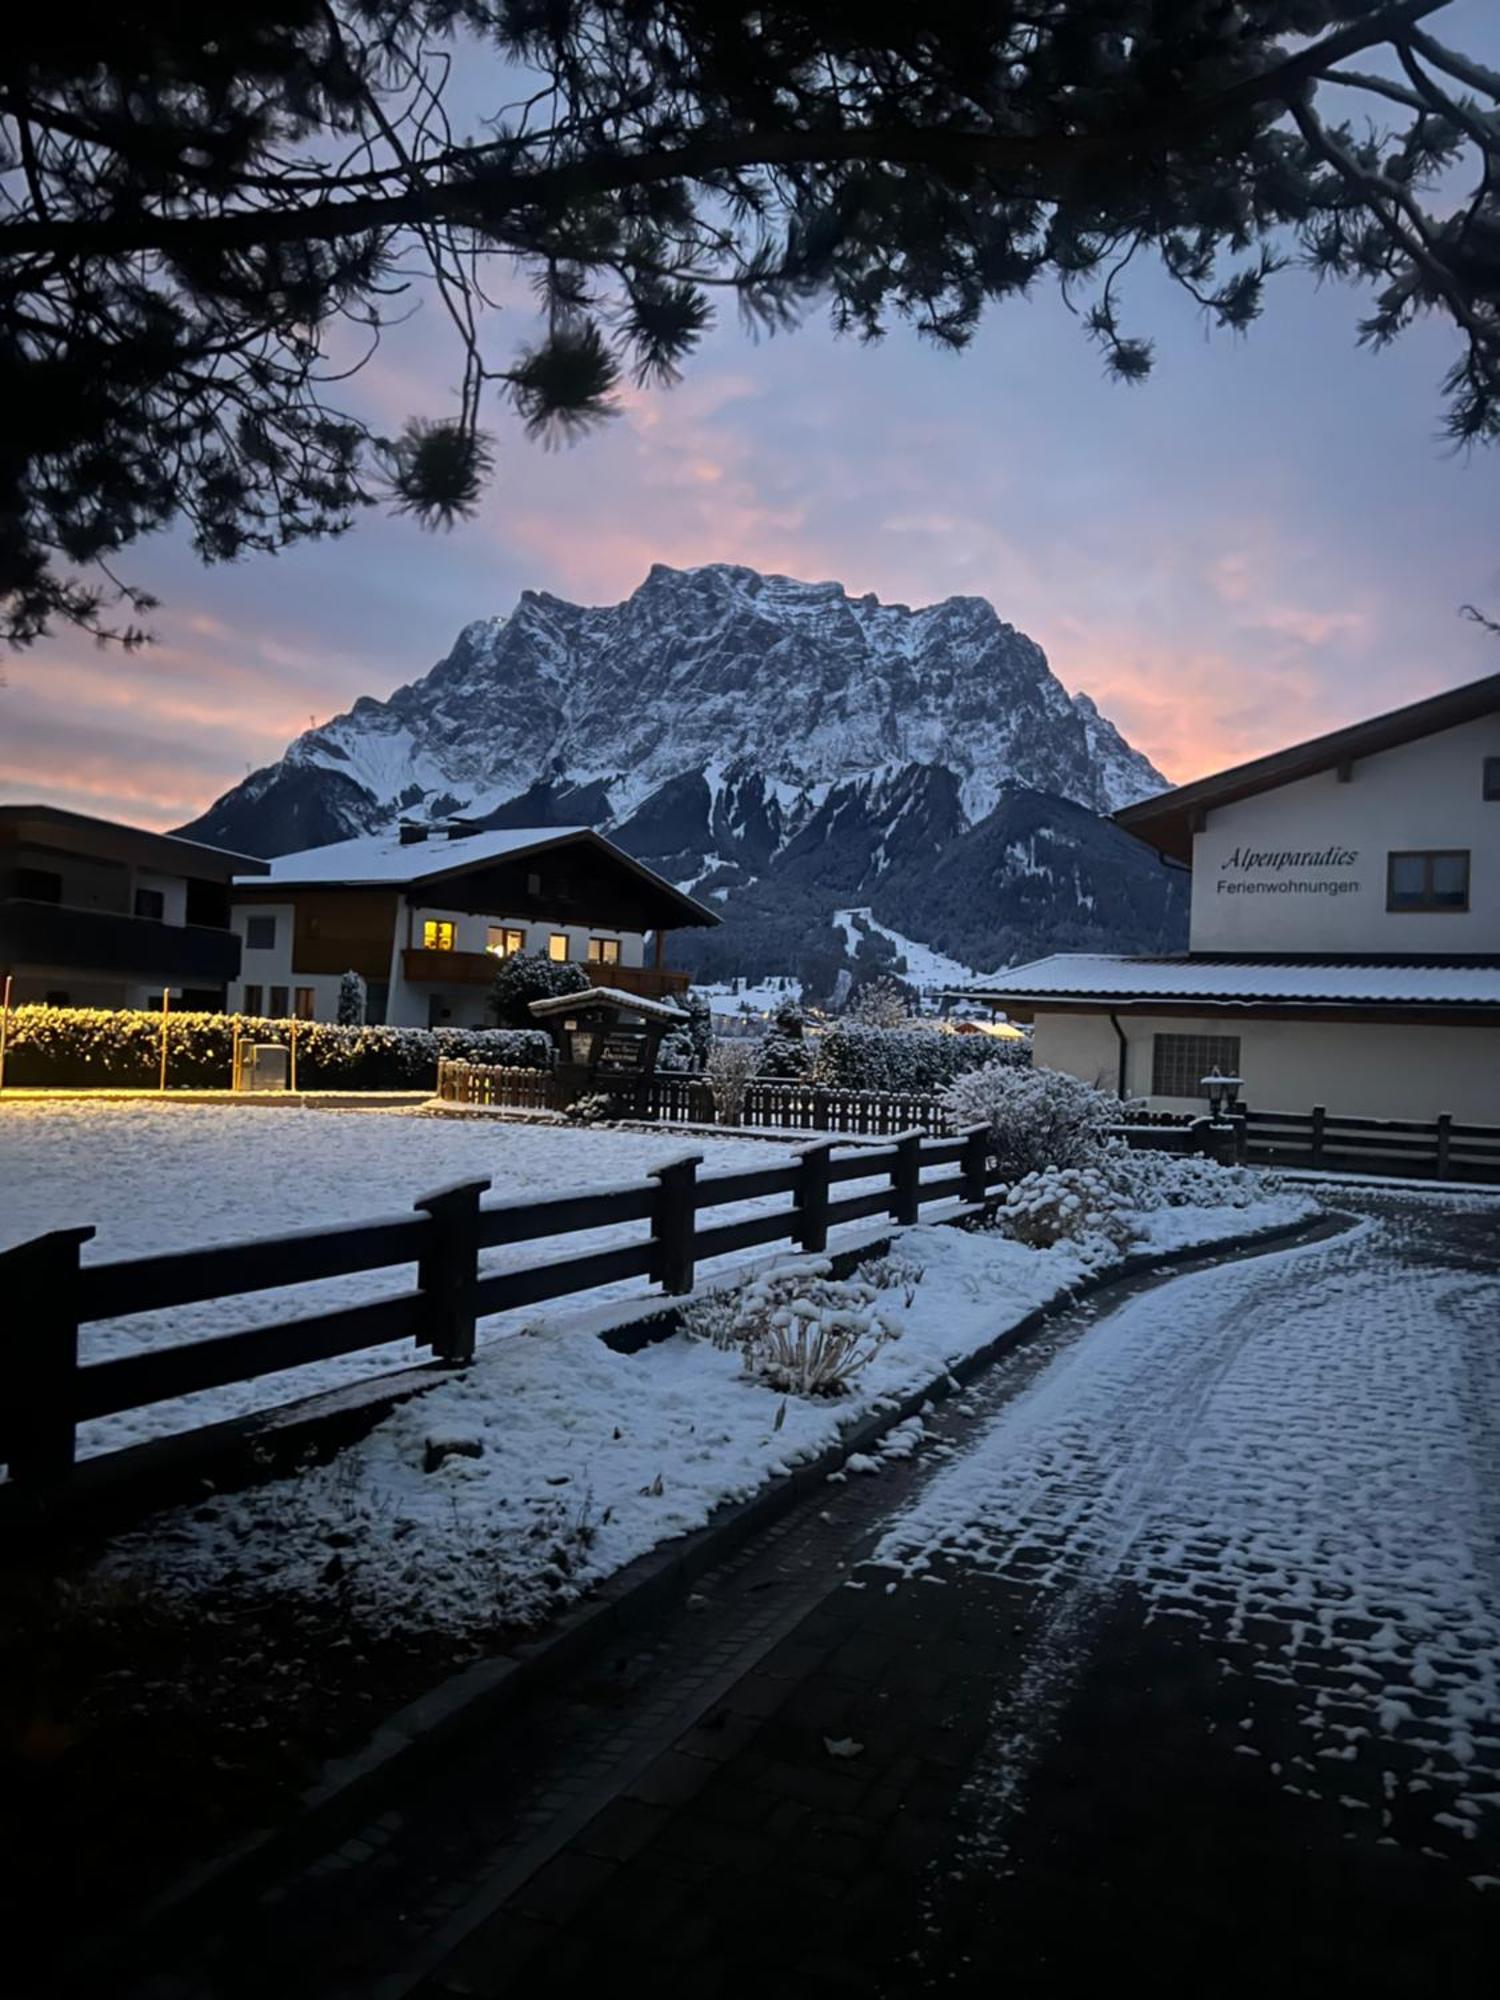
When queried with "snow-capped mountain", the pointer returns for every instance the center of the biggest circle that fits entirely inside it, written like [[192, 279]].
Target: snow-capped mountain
[[778, 746]]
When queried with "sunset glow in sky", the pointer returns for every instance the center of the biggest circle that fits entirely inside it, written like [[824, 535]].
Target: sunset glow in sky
[[1265, 540]]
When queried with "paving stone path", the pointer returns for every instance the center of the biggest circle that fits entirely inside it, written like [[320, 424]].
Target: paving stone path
[[1173, 1652]]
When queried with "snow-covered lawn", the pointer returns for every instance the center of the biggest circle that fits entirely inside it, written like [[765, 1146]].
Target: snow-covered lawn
[[573, 1459], [154, 1177]]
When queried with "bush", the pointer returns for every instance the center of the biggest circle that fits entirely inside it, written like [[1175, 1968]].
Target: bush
[[676, 1054], [883, 1002], [799, 1329], [352, 1001], [915, 1058], [1038, 1118], [731, 1064], [72, 1048], [1078, 1205], [700, 1027], [526, 976], [1145, 1180]]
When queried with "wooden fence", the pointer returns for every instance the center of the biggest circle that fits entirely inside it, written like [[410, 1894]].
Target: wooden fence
[[686, 1099], [52, 1293], [1320, 1138]]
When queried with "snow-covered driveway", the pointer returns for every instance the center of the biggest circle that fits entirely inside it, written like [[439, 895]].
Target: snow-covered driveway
[[1292, 1464]]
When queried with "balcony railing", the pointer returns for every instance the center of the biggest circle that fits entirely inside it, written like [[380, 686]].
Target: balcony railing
[[52, 934], [477, 968]]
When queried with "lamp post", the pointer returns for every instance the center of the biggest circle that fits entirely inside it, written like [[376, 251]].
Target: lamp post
[[4, 1026], [166, 1013], [1223, 1092]]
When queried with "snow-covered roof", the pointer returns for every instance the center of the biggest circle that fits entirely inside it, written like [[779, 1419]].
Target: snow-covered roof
[[385, 858], [608, 996], [1089, 976]]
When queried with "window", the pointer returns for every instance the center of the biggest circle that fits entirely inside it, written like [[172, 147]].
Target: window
[[39, 885], [1437, 879], [604, 951], [58, 999], [505, 942], [260, 933], [438, 934], [302, 1003], [150, 903], [277, 1009], [1179, 1063], [557, 947], [254, 1000], [1492, 777]]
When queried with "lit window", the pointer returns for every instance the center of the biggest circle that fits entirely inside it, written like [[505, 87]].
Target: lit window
[[260, 933], [1437, 879], [438, 934], [604, 951], [302, 1003], [557, 946], [150, 903], [505, 942], [254, 1000]]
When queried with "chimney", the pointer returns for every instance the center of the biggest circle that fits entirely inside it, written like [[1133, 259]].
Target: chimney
[[412, 835]]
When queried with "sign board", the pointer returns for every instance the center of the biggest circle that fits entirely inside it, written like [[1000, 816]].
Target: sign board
[[621, 1054]]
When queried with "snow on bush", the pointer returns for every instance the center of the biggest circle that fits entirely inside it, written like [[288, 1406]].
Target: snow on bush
[[353, 997], [798, 1329], [852, 1056], [731, 1065], [1037, 1118], [1077, 1205], [89, 1047], [526, 976], [676, 1054], [1146, 1180]]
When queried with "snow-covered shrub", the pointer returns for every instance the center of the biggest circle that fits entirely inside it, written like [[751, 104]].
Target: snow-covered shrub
[[1145, 1180], [894, 1271], [731, 1065], [913, 1058], [1078, 1205], [352, 996], [71, 1048], [675, 1055], [526, 976], [593, 1108], [798, 1329], [1037, 1117], [884, 1002], [700, 1026]]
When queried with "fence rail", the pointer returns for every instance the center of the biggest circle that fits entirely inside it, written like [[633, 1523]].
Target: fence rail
[[1320, 1138], [684, 1099], [51, 1390]]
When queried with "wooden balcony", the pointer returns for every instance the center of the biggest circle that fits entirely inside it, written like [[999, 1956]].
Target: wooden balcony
[[477, 968]]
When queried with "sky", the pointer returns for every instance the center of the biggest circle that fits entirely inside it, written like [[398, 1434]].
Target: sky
[[1267, 539]]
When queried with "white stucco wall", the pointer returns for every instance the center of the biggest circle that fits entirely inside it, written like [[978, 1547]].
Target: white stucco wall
[[1358, 1069], [1424, 795]]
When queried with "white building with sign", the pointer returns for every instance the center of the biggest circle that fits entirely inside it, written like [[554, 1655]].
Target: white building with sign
[[1344, 947]]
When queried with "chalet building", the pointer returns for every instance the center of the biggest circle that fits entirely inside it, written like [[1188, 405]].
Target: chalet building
[[94, 913], [1344, 947], [423, 913]]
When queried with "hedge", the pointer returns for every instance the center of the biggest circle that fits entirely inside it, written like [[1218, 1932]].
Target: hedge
[[71, 1048], [854, 1057]]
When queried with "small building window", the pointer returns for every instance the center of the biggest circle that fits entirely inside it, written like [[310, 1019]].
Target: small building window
[[557, 947], [57, 998], [303, 1002], [439, 934], [505, 942], [150, 903], [254, 1000], [1492, 777], [38, 885], [1434, 879], [1179, 1063], [277, 1009], [260, 933], [604, 951]]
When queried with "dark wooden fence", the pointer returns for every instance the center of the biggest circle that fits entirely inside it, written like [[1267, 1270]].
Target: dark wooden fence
[[1319, 1138], [52, 1293], [684, 1099]]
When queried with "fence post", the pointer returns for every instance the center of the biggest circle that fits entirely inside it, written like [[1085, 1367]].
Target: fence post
[[42, 1278], [1319, 1120], [975, 1163], [1444, 1142], [810, 1198], [906, 1177], [448, 1273], [1241, 1122], [674, 1223], [820, 1108]]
